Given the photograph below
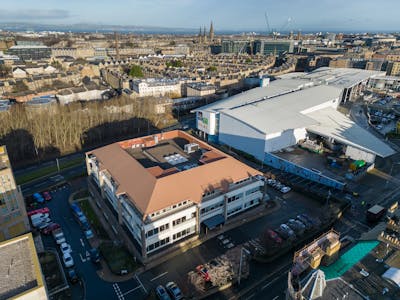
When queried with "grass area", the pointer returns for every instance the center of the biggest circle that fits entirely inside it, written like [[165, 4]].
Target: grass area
[[37, 173], [51, 270], [93, 219], [117, 257], [81, 194]]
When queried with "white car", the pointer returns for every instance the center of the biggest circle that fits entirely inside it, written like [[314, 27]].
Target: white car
[[68, 260], [285, 189], [65, 248]]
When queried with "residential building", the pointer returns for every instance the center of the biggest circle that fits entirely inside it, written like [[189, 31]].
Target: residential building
[[393, 68], [13, 218], [169, 186], [199, 89], [21, 275], [155, 87]]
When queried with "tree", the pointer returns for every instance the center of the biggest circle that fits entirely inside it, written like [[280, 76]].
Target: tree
[[136, 71], [174, 64], [212, 69], [4, 71]]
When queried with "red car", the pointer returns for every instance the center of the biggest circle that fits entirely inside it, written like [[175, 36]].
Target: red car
[[201, 270], [274, 236], [46, 196], [43, 210], [49, 229]]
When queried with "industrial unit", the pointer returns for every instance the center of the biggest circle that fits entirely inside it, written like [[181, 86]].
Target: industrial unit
[[291, 109], [170, 186]]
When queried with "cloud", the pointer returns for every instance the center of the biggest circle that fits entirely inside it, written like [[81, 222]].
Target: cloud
[[30, 14]]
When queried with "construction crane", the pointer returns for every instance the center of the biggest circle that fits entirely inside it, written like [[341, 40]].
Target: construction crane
[[286, 25], [267, 23]]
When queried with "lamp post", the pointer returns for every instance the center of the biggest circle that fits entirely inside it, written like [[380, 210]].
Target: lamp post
[[247, 252]]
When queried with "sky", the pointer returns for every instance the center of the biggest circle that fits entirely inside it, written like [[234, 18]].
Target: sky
[[314, 15]]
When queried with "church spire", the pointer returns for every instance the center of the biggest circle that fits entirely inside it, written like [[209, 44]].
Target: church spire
[[211, 32]]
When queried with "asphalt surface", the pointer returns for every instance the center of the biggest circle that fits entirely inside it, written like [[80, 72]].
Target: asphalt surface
[[95, 287]]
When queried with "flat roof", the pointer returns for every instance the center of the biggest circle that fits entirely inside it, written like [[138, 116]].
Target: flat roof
[[19, 267], [284, 112], [340, 77], [333, 124], [154, 188], [275, 88]]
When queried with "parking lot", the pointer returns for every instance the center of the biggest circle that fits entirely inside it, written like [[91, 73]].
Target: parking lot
[[60, 212]]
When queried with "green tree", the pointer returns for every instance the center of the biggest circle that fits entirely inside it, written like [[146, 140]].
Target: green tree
[[4, 71], [136, 71], [212, 69]]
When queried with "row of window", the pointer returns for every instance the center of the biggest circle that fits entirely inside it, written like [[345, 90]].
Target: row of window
[[183, 233], [157, 244], [180, 204], [252, 191], [178, 221], [156, 230], [233, 210], [211, 207], [234, 198], [243, 180]]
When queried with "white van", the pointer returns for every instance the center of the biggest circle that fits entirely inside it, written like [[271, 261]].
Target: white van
[[39, 216]]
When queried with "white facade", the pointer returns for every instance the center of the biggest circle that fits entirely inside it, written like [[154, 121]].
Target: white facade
[[153, 88], [176, 222]]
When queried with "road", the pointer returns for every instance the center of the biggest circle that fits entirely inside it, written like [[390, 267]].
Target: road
[[95, 286]]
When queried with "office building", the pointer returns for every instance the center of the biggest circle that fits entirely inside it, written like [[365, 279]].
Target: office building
[[20, 272], [199, 89], [273, 47], [30, 52], [155, 87], [235, 46], [13, 218], [169, 186]]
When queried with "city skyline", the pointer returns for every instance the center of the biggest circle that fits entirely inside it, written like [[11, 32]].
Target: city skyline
[[238, 15]]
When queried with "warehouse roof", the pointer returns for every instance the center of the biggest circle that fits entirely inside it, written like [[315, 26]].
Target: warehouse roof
[[284, 112], [275, 88], [340, 77], [333, 124]]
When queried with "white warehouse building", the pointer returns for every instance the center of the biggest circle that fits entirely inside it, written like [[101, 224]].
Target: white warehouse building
[[269, 119]]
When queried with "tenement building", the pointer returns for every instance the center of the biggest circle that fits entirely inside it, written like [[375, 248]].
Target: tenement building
[[169, 186]]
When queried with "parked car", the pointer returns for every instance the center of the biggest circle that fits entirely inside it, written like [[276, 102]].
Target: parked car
[[162, 293], [285, 189], [65, 248], [306, 223], [270, 181], [44, 210], [43, 225], [73, 276], [68, 260], [50, 228], [38, 198], [174, 290], [296, 226], [287, 229], [260, 177], [274, 236], [282, 233], [315, 221], [94, 255], [46, 196], [37, 222], [89, 234], [58, 235]]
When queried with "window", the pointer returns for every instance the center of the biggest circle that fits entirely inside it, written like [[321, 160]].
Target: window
[[234, 210], [252, 191], [212, 207], [234, 198], [179, 221], [157, 244]]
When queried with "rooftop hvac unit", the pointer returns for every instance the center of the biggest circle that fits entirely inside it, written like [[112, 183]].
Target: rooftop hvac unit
[[190, 148]]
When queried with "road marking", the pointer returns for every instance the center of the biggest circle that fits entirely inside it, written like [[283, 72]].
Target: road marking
[[159, 276], [276, 298], [118, 291], [251, 296], [82, 259], [130, 291], [271, 282], [82, 243], [137, 278]]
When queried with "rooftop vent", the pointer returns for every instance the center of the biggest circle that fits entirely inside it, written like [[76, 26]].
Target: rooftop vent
[[190, 148]]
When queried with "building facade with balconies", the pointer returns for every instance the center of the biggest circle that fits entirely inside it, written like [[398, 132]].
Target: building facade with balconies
[[170, 186]]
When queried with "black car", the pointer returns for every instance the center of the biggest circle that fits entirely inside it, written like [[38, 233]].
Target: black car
[[72, 276], [94, 255]]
